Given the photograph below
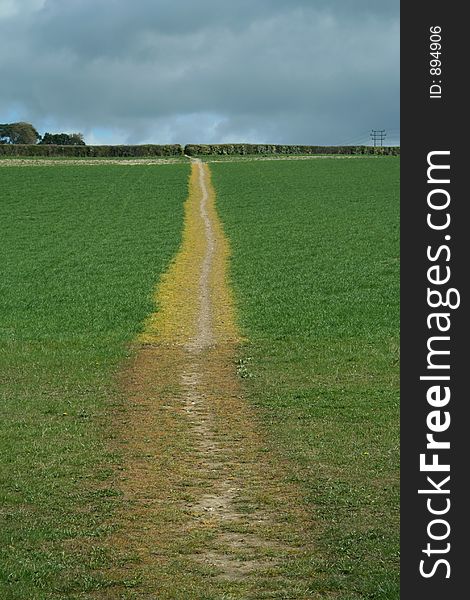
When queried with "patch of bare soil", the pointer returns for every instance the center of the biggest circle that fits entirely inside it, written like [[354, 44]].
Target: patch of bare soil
[[47, 162]]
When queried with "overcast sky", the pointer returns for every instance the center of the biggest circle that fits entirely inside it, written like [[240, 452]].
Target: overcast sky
[[164, 71]]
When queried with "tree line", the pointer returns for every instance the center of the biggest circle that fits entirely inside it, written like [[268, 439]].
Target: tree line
[[25, 133]]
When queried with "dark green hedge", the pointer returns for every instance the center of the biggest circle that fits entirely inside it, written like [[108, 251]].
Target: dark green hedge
[[146, 150], [90, 151], [206, 149]]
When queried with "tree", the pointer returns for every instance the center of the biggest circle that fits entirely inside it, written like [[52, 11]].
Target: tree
[[18, 133], [77, 139], [63, 139]]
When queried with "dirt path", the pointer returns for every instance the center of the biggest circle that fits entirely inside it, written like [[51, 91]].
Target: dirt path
[[208, 512], [205, 333]]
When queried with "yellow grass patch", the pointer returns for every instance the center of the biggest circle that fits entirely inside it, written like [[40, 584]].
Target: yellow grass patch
[[177, 295]]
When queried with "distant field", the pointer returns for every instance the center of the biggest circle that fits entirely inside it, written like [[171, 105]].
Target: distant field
[[315, 269], [82, 248]]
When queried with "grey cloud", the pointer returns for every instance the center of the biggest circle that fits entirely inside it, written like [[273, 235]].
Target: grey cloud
[[164, 71]]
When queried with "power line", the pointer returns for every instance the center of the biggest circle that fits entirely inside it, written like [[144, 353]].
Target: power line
[[364, 138], [359, 139], [378, 135]]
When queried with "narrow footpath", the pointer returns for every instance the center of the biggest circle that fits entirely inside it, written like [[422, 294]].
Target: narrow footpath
[[208, 512]]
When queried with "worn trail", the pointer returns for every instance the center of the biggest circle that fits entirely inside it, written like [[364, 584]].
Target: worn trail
[[208, 512]]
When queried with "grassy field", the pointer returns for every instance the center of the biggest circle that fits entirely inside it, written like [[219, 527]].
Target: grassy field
[[82, 249], [315, 269], [315, 272]]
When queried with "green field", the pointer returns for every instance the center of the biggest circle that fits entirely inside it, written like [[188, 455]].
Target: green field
[[315, 273], [315, 268], [82, 248]]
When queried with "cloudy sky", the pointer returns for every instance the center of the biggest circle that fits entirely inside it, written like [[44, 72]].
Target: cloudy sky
[[162, 71]]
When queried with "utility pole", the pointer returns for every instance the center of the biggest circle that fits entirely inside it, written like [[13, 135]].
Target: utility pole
[[378, 135]]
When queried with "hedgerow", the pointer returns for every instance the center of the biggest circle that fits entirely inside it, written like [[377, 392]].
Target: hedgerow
[[91, 151], [146, 150], [208, 149]]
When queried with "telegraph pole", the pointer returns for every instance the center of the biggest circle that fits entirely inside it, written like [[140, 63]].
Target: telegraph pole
[[378, 135]]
